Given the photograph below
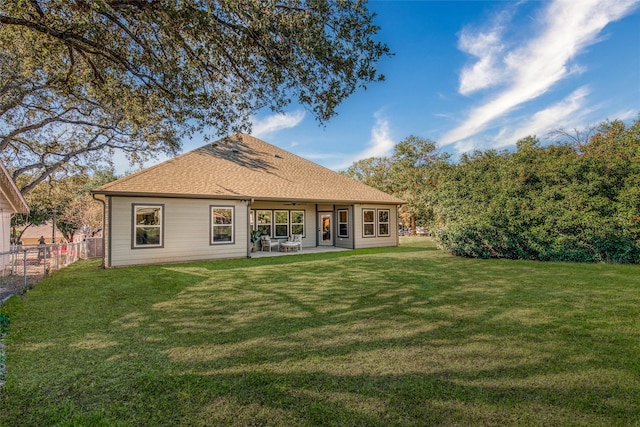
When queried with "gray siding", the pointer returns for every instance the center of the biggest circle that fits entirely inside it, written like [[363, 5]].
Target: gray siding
[[344, 242], [377, 241], [186, 232]]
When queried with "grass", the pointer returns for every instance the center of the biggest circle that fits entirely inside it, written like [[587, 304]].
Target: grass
[[396, 336]]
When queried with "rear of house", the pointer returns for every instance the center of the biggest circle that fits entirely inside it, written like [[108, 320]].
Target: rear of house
[[204, 204], [11, 202]]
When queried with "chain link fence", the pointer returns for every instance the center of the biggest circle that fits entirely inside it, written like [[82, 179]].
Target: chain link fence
[[24, 266]]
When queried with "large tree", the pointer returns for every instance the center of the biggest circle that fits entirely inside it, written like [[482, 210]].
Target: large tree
[[411, 173], [69, 198], [415, 165], [82, 78]]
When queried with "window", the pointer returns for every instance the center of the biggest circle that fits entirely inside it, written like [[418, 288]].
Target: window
[[147, 226], [278, 223], [343, 223], [383, 222], [297, 222], [281, 223], [222, 224], [368, 222], [263, 221]]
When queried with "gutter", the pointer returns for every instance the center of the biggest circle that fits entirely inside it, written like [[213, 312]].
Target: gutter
[[104, 227], [245, 196]]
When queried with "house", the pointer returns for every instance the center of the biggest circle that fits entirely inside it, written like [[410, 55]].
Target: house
[[33, 233], [203, 204], [11, 202]]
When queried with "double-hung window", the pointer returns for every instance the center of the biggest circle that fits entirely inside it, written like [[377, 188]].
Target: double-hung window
[[264, 222], [222, 224], [383, 222], [343, 223], [297, 222], [278, 224], [281, 224], [147, 226], [368, 222]]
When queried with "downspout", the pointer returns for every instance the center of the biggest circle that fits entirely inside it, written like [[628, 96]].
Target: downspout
[[104, 227], [397, 223], [249, 244]]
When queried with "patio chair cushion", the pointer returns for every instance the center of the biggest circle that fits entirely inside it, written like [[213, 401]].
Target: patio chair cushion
[[296, 238], [267, 243]]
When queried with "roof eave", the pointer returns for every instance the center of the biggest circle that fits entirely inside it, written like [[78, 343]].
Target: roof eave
[[244, 197], [12, 193], [167, 195]]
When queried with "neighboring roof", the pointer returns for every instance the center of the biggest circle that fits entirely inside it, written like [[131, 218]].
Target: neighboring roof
[[11, 193], [242, 167], [46, 230]]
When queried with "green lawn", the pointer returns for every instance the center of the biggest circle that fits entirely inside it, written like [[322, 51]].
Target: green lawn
[[397, 336]]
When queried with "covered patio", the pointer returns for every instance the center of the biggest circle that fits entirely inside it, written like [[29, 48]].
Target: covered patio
[[306, 250]]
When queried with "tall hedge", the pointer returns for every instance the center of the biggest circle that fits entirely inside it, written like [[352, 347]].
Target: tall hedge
[[557, 202]]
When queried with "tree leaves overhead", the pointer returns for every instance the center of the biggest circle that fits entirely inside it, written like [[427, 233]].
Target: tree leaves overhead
[[83, 78]]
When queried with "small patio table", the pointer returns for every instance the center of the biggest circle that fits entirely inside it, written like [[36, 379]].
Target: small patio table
[[289, 246]]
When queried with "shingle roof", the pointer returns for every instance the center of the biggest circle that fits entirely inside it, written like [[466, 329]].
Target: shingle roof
[[11, 193], [241, 167]]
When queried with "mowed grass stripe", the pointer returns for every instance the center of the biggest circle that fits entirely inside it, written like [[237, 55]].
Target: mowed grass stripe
[[396, 336]]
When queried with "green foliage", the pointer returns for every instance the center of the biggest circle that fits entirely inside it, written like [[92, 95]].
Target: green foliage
[[255, 235], [411, 173], [67, 228], [38, 214], [82, 79], [552, 203], [373, 171], [4, 324]]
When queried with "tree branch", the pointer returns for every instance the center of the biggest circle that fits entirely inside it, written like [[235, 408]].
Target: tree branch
[[82, 44]]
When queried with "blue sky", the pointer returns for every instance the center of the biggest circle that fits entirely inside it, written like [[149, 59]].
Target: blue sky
[[477, 75]]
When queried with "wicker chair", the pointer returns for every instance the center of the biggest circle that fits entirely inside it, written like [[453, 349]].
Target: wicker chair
[[267, 243], [296, 238]]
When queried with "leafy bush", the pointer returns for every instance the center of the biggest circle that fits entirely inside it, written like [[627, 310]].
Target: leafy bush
[[4, 324], [554, 203]]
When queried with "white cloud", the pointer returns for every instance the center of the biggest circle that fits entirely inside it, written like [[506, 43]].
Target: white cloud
[[567, 27], [466, 145], [487, 46], [570, 110], [380, 144], [626, 115], [277, 122]]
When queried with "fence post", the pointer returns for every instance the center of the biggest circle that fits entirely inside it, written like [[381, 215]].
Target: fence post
[[24, 267]]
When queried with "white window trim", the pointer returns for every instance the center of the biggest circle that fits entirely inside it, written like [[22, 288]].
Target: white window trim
[[135, 226], [270, 223], [291, 223], [276, 224], [388, 222], [367, 223], [212, 225], [344, 222]]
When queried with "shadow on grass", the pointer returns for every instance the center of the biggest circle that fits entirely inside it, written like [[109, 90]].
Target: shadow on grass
[[388, 337]]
